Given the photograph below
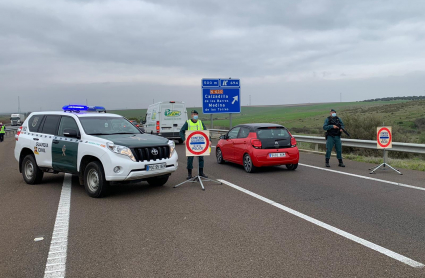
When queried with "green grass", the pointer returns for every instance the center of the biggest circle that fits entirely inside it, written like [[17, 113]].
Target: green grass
[[308, 115], [411, 164]]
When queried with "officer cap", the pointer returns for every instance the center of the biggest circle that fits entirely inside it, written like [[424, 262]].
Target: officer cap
[[333, 110], [194, 112]]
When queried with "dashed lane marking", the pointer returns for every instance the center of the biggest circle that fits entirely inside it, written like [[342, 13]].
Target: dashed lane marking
[[56, 260], [364, 177], [328, 227]]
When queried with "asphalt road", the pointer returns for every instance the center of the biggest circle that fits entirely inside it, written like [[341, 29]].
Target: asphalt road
[[144, 231]]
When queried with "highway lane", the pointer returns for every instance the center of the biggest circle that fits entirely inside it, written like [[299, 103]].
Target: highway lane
[[26, 212], [145, 231]]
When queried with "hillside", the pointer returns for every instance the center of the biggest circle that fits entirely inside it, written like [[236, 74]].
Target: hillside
[[306, 116]]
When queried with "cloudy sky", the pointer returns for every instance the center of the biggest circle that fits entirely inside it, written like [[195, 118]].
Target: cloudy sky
[[127, 53]]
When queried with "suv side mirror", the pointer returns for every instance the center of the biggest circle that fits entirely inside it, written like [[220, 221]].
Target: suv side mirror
[[224, 137], [72, 133]]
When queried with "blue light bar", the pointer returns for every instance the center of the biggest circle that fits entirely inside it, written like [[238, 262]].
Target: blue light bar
[[96, 108], [75, 108]]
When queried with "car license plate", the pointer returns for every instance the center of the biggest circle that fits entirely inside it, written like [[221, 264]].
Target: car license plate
[[277, 154], [154, 167]]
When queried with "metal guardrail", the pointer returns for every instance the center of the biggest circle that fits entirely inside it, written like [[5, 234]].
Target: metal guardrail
[[9, 132], [355, 143], [365, 144]]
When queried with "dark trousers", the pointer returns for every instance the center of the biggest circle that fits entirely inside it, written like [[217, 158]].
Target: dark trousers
[[330, 143], [190, 162], [1, 137]]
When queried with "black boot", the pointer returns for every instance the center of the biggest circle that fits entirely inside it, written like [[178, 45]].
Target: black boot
[[327, 162], [201, 173], [189, 174], [341, 164]]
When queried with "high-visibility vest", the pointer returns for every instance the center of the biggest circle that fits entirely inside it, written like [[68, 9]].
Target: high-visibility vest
[[2, 129], [194, 126]]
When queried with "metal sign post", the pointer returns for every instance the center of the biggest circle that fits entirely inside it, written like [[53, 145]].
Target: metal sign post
[[384, 141], [212, 121], [198, 144], [221, 96]]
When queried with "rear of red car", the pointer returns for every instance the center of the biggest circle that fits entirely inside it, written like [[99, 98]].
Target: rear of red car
[[272, 146]]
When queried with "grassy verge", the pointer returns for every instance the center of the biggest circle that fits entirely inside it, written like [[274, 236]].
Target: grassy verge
[[410, 164]]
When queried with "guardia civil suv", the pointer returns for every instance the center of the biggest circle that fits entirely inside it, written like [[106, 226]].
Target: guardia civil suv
[[97, 146]]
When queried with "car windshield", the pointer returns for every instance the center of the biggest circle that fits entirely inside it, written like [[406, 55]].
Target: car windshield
[[107, 126], [273, 133], [15, 118]]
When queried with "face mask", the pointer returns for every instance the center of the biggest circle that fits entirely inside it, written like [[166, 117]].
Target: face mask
[[195, 117], [333, 114]]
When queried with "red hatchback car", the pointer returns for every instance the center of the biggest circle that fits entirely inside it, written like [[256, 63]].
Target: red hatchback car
[[258, 145]]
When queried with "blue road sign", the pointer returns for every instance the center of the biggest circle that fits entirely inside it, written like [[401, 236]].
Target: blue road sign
[[221, 96]]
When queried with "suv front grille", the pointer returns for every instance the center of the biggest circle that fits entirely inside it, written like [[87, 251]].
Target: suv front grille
[[151, 153]]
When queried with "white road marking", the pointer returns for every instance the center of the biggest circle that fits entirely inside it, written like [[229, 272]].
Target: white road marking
[[364, 177], [328, 227], [56, 260]]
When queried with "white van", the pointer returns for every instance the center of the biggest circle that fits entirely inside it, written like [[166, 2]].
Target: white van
[[166, 119]]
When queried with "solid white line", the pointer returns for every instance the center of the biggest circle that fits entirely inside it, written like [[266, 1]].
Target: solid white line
[[349, 236], [364, 177], [63, 216]]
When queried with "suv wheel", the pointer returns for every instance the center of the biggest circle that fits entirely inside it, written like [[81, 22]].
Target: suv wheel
[[30, 171], [219, 156], [292, 166], [247, 164], [158, 181], [94, 180]]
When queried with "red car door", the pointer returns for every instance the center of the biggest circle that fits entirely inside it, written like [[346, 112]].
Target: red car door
[[240, 145], [227, 146]]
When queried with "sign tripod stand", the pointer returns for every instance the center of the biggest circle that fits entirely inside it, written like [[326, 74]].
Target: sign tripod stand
[[384, 165], [199, 179]]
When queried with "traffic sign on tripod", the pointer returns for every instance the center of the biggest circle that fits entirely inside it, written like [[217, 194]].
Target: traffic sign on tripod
[[384, 137], [221, 96], [384, 140], [197, 143]]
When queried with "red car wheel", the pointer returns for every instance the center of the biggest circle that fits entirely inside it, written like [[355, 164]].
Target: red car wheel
[[219, 156], [247, 164]]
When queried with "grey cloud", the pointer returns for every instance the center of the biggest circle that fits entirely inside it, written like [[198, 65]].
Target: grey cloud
[[284, 44]]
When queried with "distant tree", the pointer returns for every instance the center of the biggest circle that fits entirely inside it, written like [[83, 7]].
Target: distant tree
[[396, 98]]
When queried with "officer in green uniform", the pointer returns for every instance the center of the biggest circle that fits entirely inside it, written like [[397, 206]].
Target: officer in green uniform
[[333, 126], [2, 131], [193, 124]]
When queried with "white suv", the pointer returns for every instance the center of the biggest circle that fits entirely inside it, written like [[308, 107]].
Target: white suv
[[98, 147]]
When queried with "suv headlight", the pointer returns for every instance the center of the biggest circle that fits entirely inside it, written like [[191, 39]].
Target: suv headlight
[[120, 150], [172, 147]]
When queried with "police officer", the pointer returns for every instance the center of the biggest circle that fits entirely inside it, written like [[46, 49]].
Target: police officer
[[333, 126], [193, 124], [2, 127]]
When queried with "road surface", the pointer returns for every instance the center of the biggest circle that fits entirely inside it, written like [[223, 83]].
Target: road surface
[[275, 223]]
